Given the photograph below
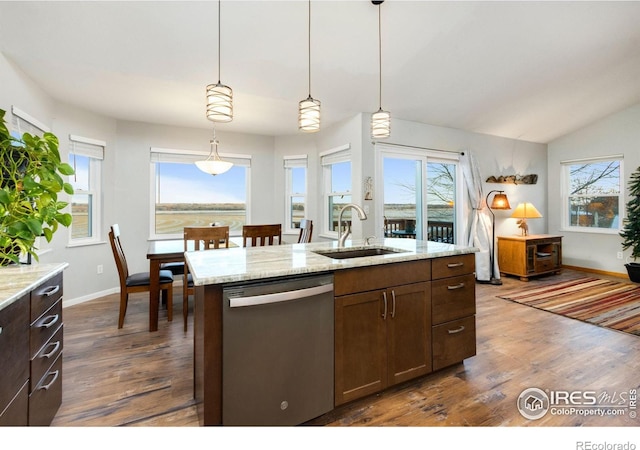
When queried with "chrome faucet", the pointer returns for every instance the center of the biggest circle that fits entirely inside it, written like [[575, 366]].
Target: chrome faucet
[[361, 214]]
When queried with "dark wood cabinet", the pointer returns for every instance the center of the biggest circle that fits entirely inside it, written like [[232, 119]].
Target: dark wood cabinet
[[382, 336], [528, 256], [31, 338], [453, 292]]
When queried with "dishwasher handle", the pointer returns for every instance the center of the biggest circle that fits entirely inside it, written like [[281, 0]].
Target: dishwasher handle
[[277, 297]]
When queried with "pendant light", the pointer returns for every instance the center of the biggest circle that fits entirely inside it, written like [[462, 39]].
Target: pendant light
[[380, 120], [219, 96], [309, 108], [213, 165]]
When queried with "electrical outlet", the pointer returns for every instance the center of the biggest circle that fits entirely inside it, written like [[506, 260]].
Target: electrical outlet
[[619, 255], [100, 269]]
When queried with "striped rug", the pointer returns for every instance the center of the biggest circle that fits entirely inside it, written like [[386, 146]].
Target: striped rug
[[610, 304]]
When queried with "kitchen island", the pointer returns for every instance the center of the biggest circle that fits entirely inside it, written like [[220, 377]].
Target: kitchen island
[[403, 312]]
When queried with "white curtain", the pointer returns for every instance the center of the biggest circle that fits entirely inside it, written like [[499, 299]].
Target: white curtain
[[479, 226]]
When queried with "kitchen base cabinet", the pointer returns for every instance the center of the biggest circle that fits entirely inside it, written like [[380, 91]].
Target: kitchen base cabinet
[[382, 336], [31, 337]]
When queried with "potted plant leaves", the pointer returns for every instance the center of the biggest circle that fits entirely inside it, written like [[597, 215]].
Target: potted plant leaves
[[631, 230], [31, 181]]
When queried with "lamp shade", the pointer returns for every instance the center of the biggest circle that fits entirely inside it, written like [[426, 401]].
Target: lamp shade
[[309, 115], [526, 211], [380, 124], [500, 201], [213, 165], [219, 103]]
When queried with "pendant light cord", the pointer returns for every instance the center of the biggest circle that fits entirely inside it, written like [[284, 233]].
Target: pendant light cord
[[379, 57], [219, 41], [309, 44]]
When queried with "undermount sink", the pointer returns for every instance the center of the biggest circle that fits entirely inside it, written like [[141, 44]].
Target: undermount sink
[[358, 252]]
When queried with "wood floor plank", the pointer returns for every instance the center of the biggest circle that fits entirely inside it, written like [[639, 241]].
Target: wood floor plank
[[130, 377]]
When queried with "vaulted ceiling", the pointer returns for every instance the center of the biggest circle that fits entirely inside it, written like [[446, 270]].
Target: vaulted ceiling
[[527, 70]]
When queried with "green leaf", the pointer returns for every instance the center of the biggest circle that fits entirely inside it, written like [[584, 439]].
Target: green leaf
[[35, 226], [68, 188], [48, 234], [4, 197], [66, 169], [64, 219]]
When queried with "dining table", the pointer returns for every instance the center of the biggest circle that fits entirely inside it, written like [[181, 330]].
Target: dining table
[[159, 253]]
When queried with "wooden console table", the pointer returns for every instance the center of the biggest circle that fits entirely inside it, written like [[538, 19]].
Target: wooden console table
[[528, 256]]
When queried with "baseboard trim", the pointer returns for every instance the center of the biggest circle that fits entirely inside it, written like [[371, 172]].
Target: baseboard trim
[[597, 271], [86, 298]]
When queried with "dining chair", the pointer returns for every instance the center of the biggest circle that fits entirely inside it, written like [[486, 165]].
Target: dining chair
[[199, 238], [306, 230], [137, 282], [260, 235]]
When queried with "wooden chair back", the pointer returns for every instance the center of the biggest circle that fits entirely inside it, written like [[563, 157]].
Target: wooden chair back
[[260, 235], [306, 230], [138, 282], [200, 238], [118, 255]]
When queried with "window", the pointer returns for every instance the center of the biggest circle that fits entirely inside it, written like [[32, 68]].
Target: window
[[592, 199], [85, 156], [336, 168], [21, 123], [296, 190], [182, 195], [419, 193]]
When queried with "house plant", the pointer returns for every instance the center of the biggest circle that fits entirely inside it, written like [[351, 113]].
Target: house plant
[[631, 231], [31, 180]]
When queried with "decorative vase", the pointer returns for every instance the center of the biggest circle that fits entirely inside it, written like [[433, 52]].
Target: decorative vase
[[633, 269]]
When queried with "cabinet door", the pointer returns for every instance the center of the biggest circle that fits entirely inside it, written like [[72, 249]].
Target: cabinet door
[[360, 345], [409, 332]]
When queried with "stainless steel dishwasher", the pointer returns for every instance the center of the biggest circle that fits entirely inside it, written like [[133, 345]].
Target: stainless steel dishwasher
[[277, 351]]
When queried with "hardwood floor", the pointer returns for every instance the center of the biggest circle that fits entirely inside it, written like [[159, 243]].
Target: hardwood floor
[[130, 377]]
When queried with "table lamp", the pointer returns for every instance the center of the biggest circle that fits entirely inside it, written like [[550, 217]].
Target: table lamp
[[523, 212], [500, 201]]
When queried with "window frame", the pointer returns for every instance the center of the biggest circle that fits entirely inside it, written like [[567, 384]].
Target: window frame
[[183, 156], [327, 160], [94, 149], [294, 162], [565, 223], [425, 156]]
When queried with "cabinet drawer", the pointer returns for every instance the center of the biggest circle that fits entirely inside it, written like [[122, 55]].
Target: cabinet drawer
[[46, 398], [16, 414], [370, 278], [453, 298], [14, 349], [45, 327], [45, 357], [452, 266], [454, 341], [544, 264], [45, 295]]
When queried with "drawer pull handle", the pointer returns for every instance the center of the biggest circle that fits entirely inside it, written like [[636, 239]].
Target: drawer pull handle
[[384, 313], [454, 265], [0, 330], [48, 321], [457, 330], [393, 307], [56, 346], [51, 290], [55, 374], [455, 286]]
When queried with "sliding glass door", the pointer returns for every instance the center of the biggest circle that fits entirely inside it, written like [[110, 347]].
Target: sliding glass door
[[418, 194]]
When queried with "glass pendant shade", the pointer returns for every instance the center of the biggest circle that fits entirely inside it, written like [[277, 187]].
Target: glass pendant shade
[[380, 124], [309, 115], [213, 165], [219, 103]]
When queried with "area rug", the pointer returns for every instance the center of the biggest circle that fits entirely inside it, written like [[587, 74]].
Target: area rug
[[610, 304]]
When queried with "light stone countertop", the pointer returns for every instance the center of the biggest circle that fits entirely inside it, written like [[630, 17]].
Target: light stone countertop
[[254, 263], [17, 280]]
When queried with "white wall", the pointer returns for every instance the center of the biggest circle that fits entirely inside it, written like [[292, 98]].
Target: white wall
[[618, 134]]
